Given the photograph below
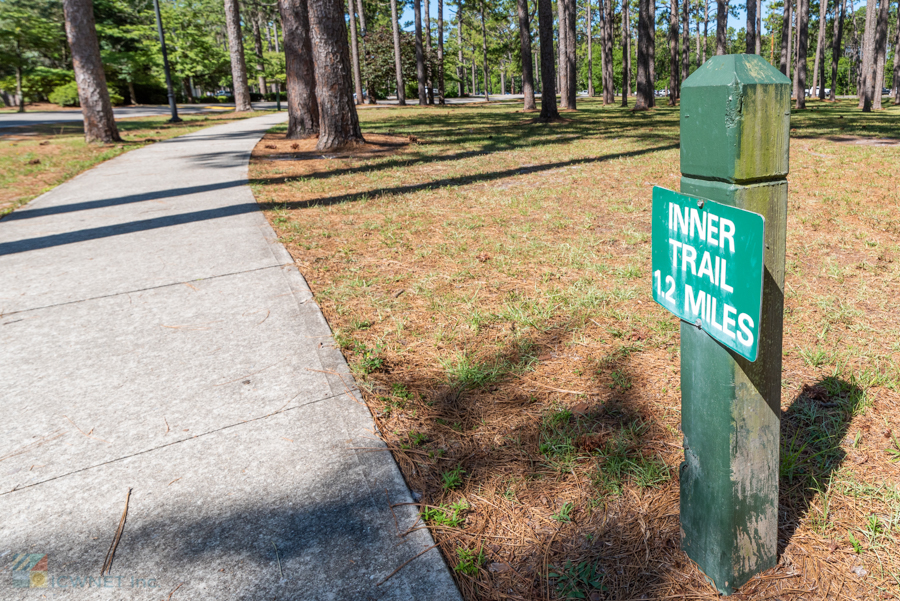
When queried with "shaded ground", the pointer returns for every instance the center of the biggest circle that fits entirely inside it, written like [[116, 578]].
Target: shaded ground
[[38, 158], [489, 284]]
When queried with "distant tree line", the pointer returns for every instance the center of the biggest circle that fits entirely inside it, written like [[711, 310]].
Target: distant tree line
[[247, 49]]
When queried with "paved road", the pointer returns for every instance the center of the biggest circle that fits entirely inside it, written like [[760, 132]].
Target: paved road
[[155, 336]]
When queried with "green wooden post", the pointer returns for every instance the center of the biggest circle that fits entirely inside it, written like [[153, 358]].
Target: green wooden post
[[735, 123]]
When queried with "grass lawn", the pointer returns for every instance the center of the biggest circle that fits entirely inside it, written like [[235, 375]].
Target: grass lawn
[[488, 279], [37, 158]]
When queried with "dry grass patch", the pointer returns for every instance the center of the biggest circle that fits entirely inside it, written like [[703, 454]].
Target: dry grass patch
[[490, 287]]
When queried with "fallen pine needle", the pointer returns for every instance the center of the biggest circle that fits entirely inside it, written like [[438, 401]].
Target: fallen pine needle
[[107, 563]]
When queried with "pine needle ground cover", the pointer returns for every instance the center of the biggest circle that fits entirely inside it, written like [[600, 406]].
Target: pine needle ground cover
[[488, 279], [38, 158]]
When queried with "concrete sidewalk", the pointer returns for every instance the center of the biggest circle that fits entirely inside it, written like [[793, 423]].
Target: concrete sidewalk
[[155, 336]]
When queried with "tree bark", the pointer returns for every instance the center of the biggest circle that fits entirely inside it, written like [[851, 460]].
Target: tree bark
[[897, 63], [881, 32], [571, 58], [697, 51], [705, 28], [420, 54], [644, 92], [258, 50], [802, 51], [398, 64], [750, 39], [370, 93], [338, 122], [867, 89], [685, 41], [721, 27], [303, 108], [590, 47], [354, 51], [673, 50], [836, 46], [820, 47], [81, 32], [548, 75], [525, 55], [652, 53], [487, 97], [626, 53], [429, 83], [786, 28], [20, 97], [440, 52], [562, 34], [460, 66], [236, 49], [758, 49]]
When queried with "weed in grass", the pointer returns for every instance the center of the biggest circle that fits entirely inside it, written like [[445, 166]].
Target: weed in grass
[[466, 372], [854, 542], [469, 561], [452, 478], [557, 440], [369, 359], [450, 516], [577, 581], [564, 514]]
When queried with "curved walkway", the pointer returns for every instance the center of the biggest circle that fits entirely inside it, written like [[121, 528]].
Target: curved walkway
[[155, 336]]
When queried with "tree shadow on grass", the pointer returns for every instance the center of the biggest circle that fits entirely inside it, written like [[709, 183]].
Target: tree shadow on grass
[[812, 431]]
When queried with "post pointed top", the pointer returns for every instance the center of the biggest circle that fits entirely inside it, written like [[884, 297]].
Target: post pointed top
[[735, 120], [728, 68]]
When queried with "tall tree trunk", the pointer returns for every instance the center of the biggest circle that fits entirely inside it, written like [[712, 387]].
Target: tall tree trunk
[[398, 64], [562, 34], [590, 48], [354, 52], [131, 92], [759, 34], [786, 28], [525, 55], [440, 52], [571, 58], [705, 28], [420, 54], [867, 90], [81, 32], [186, 88], [608, 43], [697, 51], [20, 96], [836, 46], [626, 53], [802, 51], [685, 41], [236, 49], [750, 37], [338, 122], [897, 63], [429, 82], [820, 47], [369, 90], [673, 50], [721, 27], [474, 66], [644, 92], [258, 50], [548, 75], [460, 66], [487, 97], [303, 108], [881, 32]]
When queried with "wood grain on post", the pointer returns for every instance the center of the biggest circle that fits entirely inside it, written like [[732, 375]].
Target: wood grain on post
[[735, 122]]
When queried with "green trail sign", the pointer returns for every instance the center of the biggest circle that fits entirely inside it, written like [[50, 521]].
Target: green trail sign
[[708, 267]]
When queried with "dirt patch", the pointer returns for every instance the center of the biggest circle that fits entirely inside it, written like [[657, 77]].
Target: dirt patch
[[865, 141], [276, 147]]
